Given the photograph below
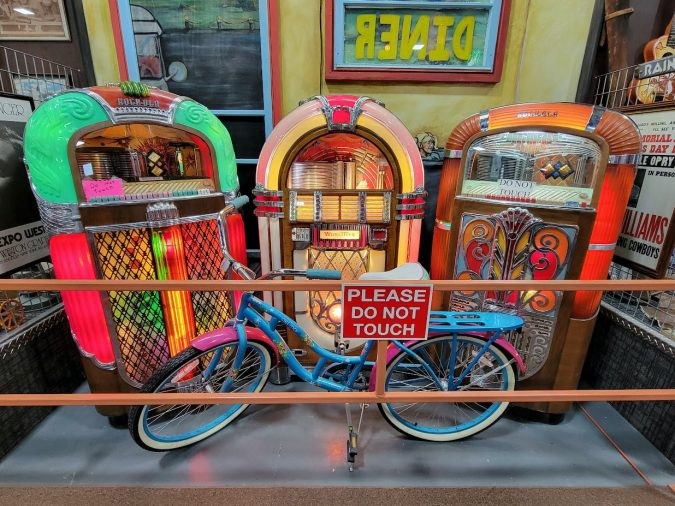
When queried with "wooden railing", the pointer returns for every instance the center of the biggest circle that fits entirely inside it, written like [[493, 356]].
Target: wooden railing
[[378, 396]]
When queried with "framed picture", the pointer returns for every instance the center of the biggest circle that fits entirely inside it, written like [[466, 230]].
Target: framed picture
[[424, 41], [23, 238], [209, 50], [33, 20], [39, 87], [647, 235]]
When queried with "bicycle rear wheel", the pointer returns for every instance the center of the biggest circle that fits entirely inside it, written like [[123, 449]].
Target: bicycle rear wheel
[[167, 427], [454, 420]]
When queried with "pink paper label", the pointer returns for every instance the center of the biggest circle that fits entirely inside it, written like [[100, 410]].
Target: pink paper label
[[113, 187]]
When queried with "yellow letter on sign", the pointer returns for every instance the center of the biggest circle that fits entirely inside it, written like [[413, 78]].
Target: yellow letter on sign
[[419, 35], [440, 53], [464, 27], [390, 37], [365, 40]]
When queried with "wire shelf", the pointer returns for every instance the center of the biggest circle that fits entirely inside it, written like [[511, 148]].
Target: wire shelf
[[25, 74], [655, 310], [636, 87]]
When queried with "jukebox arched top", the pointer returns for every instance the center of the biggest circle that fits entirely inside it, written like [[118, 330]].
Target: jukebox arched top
[[156, 137], [357, 119], [339, 185]]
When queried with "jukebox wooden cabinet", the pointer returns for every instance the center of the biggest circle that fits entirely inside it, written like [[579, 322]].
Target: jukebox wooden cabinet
[[535, 192], [129, 183], [339, 185]]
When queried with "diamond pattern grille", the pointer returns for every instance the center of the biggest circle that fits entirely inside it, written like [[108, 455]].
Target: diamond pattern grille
[[137, 315], [352, 263], [203, 258]]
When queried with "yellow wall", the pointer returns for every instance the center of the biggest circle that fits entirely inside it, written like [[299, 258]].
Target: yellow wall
[[544, 50], [99, 30], [545, 45]]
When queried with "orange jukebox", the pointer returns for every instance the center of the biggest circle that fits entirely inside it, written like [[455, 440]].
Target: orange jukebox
[[535, 192], [129, 182], [339, 185]]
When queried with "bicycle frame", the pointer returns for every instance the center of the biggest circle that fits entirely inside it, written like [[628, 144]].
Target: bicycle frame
[[252, 309]]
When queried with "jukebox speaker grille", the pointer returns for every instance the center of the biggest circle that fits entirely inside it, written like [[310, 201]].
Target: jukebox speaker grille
[[139, 317], [203, 260], [352, 263], [140, 330]]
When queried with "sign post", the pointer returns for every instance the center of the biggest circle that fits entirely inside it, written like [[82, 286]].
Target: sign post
[[385, 311]]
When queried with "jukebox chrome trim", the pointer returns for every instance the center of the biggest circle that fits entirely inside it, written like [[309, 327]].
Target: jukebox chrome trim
[[151, 224], [329, 112], [622, 159]]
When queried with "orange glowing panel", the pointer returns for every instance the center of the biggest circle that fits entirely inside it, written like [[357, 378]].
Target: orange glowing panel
[[72, 260], [167, 245]]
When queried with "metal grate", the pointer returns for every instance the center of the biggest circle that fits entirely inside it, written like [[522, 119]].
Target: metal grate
[[656, 310], [352, 263], [24, 74], [138, 319], [203, 259]]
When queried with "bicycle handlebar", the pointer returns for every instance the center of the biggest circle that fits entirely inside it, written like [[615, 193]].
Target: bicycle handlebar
[[323, 274], [239, 202]]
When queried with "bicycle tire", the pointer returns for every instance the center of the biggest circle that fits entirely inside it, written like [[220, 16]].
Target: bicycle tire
[[405, 374], [196, 422]]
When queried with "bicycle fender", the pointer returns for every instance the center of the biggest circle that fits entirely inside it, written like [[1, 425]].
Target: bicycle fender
[[509, 349], [503, 344], [229, 334]]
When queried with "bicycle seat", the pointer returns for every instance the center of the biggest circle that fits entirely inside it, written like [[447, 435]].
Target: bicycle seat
[[411, 271]]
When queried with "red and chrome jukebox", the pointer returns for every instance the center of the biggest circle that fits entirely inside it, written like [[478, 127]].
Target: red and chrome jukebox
[[129, 182], [535, 192], [339, 185]]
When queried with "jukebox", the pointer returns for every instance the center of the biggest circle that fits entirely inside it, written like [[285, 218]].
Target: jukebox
[[129, 182], [339, 185], [535, 192]]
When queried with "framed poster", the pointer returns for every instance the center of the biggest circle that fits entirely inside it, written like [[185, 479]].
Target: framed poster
[[39, 87], [446, 41], [208, 50], [647, 234], [23, 238], [36, 20]]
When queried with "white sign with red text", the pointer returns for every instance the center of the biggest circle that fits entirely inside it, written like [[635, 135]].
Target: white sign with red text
[[385, 311]]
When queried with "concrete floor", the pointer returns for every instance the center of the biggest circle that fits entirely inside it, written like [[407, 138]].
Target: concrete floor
[[304, 445]]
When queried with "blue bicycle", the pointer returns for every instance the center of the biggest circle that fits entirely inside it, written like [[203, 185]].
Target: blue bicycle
[[465, 351]]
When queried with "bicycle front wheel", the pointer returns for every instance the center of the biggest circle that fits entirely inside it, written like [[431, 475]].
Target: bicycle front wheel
[[167, 427], [454, 420]]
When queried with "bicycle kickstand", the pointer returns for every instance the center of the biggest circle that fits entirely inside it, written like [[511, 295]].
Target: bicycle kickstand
[[353, 436]]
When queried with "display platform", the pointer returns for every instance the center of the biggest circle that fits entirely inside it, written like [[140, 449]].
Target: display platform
[[304, 446]]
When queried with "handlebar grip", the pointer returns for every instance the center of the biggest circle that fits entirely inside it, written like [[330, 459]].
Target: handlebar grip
[[323, 274], [239, 202]]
